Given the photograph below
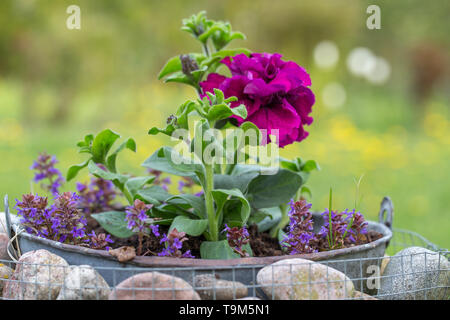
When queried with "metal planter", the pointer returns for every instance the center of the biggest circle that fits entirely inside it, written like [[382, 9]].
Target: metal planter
[[355, 261]]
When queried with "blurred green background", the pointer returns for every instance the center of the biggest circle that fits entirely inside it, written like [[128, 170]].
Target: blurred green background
[[56, 85]]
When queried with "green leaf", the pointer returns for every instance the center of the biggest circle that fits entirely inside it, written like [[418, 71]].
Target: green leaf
[[223, 195], [111, 160], [281, 236], [171, 66], [114, 223], [220, 250], [240, 181], [240, 111], [197, 203], [266, 191], [158, 161], [107, 175], [154, 195], [265, 218], [231, 52], [102, 144], [310, 165], [133, 185], [73, 170], [183, 114], [190, 226]]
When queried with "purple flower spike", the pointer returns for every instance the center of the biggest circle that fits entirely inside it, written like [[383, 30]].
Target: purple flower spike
[[45, 167], [98, 196], [300, 237], [237, 238], [347, 227], [174, 242]]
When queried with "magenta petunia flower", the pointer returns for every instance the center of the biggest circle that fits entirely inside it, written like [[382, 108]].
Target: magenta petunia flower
[[274, 91]]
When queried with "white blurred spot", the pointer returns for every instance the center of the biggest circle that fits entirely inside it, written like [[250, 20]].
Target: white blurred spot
[[333, 95], [380, 72], [326, 54], [361, 61]]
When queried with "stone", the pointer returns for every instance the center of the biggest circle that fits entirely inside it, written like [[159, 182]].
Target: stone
[[415, 273], [300, 279], [153, 286], [84, 283], [206, 284], [3, 246], [39, 275], [362, 296], [384, 263], [123, 254], [5, 274], [249, 298], [2, 223]]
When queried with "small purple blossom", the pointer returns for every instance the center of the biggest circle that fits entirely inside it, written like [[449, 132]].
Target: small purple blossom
[[346, 227], [45, 167], [174, 242], [188, 183], [159, 180], [138, 221], [300, 237], [137, 215], [237, 238], [97, 196], [99, 242]]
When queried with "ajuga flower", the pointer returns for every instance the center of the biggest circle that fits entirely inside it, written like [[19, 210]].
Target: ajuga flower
[[45, 167], [138, 221], [97, 196], [237, 238], [187, 182], [174, 242], [346, 227], [35, 216], [160, 181], [100, 241], [62, 221], [300, 237], [137, 215], [275, 93]]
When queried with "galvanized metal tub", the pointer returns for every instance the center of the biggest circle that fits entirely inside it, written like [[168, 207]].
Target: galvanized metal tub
[[355, 261]]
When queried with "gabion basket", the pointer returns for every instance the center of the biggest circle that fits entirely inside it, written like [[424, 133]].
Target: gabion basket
[[293, 287]]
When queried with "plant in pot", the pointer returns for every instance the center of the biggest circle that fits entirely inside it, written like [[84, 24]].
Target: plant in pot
[[252, 202]]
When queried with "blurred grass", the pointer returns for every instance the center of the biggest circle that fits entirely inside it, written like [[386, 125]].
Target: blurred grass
[[104, 77]]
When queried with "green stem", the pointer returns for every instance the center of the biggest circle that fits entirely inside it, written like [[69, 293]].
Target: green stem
[[209, 201], [283, 222]]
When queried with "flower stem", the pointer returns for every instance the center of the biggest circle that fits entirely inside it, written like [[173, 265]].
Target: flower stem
[[283, 222], [213, 232]]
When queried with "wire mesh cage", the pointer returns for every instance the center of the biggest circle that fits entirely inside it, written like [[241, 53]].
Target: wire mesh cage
[[424, 274]]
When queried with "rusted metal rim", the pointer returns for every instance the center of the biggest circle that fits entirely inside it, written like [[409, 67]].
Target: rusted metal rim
[[158, 262]]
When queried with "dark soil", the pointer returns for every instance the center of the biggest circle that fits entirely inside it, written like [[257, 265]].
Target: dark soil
[[261, 243]]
